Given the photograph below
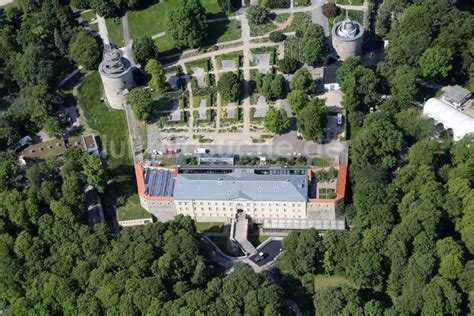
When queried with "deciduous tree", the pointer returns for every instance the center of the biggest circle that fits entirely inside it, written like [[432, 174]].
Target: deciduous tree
[[186, 24], [275, 120], [312, 120], [157, 73], [144, 49], [229, 86]]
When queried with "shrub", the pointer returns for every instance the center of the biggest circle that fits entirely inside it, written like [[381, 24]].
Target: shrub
[[276, 4], [277, 36], [288, 65], [330, 10], [257, 15]]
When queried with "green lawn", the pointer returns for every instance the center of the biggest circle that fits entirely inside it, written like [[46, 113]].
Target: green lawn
[[223, 31], [167, 160], [87, 16], [209, 227], [321, 281], [165, 46], [217, 33], [132, 210], [111, 125], [321, 162], [256, 239], [151, 20], [114, 28]]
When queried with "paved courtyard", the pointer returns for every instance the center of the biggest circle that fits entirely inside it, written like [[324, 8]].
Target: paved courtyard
[[229, 65], [200, 76], [263, 62]]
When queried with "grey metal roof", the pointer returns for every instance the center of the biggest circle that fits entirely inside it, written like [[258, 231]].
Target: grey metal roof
[[457, 94], [241, 183], [303, 223]]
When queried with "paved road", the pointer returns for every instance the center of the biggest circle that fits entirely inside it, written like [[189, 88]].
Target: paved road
[[135, 139], [104, 34], [5, 2], [271, 249], [246, 50]]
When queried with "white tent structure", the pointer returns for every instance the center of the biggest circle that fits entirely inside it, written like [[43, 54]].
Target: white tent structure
[[459, 122]]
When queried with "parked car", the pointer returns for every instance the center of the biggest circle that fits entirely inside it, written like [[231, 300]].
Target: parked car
[[172, 151], [339, 119], [201, 151]]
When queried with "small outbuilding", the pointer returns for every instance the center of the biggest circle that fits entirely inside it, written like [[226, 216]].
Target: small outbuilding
[[456, 96]]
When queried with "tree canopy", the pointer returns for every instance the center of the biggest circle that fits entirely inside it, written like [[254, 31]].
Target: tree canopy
[[144, 49], [229, 86], [186, 24], [157, 73], [302, 80], [85, 50], [276, 120], [141, 102], [312, 120]]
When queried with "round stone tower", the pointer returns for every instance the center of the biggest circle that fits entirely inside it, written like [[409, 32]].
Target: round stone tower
[[116, 73], [347, 38]]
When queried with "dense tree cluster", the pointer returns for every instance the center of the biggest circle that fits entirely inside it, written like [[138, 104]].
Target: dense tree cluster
[[314, 48], [186, 24], [52, 262], [271, 86], [410, 243], [36, 38], [359, 86], [431, 36]]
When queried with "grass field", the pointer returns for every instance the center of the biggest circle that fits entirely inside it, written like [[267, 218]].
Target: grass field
[[87, 16], [111, 125], [167, 160], [114, 28], [321, 281], [209, 227], [151, 20], [223, 31], [321, 162], [217, 33], [256, 239], [132, 210]]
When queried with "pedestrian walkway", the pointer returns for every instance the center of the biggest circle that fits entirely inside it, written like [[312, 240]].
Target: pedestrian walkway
[[241, 226]]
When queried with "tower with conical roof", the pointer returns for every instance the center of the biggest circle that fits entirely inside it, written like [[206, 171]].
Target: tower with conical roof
[[116, 74], [347, 38]]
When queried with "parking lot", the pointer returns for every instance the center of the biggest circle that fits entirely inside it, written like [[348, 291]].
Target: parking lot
[[271, 249]]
